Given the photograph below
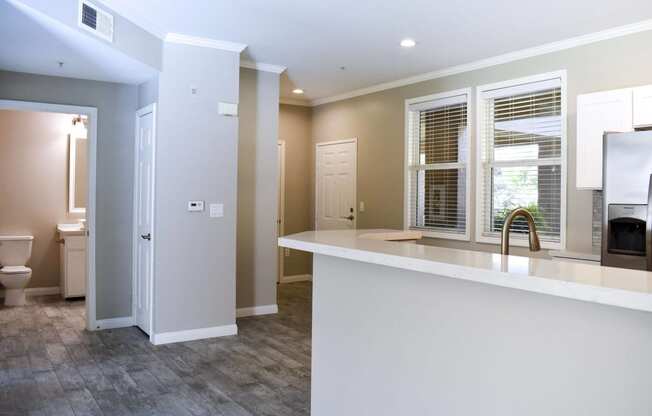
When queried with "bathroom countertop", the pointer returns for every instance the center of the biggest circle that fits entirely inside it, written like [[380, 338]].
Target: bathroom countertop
[[624, 288], [66, 230]]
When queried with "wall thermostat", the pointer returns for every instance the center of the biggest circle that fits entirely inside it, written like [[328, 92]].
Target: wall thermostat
[[195, 206]]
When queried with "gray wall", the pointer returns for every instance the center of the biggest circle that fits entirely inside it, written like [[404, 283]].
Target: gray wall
[[295, 124], [148, 92], [257, 250], [116, 105], [411, 343], [377, 120], [196, 160], [34, 185]]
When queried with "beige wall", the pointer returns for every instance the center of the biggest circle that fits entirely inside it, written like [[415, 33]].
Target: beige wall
[[34, 185], [377, 120], [256, 254], [295, 129]]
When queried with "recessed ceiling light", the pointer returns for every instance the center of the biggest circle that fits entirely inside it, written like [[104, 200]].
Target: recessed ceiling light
[[408, 43], [297, 91]]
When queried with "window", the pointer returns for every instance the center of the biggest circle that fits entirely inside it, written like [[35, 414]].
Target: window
[[521, 158], [437, 155]]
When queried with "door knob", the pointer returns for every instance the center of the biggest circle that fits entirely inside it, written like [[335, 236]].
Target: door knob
[[350, 217], [147, 236]]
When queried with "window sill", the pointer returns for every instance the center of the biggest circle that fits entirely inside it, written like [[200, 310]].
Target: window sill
[[519, 242], [441, 235]]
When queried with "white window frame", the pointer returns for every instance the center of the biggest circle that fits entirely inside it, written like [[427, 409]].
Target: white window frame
[[466, 165], [480, 111]]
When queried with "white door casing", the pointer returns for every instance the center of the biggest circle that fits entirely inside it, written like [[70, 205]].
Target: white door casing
[[144, 217], [281, 205], [335, 185]]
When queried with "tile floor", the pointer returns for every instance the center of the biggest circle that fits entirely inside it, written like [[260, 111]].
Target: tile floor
[[49, 365]]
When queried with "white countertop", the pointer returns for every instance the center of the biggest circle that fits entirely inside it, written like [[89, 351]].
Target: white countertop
[[625, 288], [575, 255], [70, 229]]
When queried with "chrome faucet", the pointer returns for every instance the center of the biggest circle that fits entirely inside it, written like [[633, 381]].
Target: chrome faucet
[[532, 230]]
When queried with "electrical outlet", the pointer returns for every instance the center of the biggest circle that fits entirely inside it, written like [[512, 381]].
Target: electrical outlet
[[286, 252]]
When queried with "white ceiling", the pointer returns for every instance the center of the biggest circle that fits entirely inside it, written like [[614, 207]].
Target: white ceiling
[[35, 43], [313, 39]]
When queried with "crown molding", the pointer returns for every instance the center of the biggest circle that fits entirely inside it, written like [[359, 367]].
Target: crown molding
[[205, 42], [294, 101], [547, 48], [260, 66]]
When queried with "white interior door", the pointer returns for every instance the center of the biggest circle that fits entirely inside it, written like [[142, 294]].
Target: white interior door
[[336, 185], [144, 215]]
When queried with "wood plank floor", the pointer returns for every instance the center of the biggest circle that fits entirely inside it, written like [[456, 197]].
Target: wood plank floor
[[49, 365]]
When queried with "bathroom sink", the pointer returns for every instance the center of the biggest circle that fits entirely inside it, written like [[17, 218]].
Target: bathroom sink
[[71, 229]]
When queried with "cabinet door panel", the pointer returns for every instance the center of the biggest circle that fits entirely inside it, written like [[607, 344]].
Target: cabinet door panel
[[609, 111], [76, 273], [643, 106]]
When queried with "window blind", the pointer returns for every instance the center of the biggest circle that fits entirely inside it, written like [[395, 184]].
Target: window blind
[[438, 166], [521, 158]]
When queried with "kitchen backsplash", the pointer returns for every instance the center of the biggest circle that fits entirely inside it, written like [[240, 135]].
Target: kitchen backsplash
[[596, 234]]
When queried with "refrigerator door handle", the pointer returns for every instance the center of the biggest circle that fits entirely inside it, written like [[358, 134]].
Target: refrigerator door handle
[[648, 227]]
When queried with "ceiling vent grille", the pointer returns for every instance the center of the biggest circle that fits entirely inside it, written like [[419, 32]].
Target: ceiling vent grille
[[95, 20]]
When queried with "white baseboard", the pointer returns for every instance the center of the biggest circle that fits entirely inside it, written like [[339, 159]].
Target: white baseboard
[[297, 278], [194, 334], [256, 310], [37, 291], [113, 323]]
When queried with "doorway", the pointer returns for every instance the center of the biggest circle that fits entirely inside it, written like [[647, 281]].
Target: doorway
[[143, 238], [335, 185], [89, 117]]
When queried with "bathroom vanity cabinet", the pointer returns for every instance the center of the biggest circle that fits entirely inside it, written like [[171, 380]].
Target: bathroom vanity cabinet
[[72, 252]]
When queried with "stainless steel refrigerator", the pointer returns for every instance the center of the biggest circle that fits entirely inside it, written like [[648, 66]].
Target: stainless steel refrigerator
[[627, 207]]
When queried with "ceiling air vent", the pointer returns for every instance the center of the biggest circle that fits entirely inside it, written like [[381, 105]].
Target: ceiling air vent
[[95, 20]]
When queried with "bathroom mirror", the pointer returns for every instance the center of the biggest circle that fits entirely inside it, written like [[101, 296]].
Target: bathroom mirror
[[78, 168]]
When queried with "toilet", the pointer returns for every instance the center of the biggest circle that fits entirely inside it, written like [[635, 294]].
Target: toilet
[[15, 251]]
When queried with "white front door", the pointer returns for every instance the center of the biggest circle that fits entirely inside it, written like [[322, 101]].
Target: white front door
[[144, 213], [335, 185]]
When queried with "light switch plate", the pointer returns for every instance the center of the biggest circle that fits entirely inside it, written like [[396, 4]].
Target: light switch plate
[[195, 206], [228, 109], [216, 210], [361, 206]]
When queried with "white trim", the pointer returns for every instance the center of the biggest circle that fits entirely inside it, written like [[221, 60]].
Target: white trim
[[72, 170], [467, 165], [294, 101], [37, 291], [182, 39], [353, 140], [194, 334], [261, 66], [297, 278], [256, 310], [544, 49], [281, 215], [479, 105], [151, 108], [91, 113], [114, 323]]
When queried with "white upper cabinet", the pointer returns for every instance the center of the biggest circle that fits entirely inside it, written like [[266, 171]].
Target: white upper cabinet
[[597, 113], [643, 106]]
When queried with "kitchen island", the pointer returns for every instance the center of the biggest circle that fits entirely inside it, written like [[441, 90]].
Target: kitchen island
[[407, 329]]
